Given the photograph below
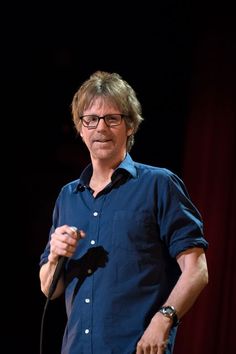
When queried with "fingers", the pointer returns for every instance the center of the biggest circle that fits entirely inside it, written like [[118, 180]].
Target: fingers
[[64, 240], [164, 345], [157, 348], [79, 233]]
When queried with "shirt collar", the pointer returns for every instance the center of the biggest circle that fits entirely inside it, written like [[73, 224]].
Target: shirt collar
[[128, 165], [125, 167]]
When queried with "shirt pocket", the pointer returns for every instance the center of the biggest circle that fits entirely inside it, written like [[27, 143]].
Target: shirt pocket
[[134, 230]]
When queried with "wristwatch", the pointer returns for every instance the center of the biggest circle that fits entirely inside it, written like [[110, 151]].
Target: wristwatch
[[170, 312]]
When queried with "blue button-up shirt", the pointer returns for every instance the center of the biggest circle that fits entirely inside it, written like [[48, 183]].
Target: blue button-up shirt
[[125, 267]]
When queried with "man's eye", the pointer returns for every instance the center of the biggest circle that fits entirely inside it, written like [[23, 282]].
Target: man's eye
[[93, 119], [112, 118]]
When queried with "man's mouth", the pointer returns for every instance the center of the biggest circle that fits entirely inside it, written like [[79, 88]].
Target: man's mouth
[[102, 140]]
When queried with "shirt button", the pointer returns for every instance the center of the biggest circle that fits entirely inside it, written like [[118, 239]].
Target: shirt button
[[92, 242], [95, 213], [86, 331], [87, 301], [89, 271]]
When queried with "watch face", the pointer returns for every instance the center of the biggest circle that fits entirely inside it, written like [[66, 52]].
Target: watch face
[[168, 311]]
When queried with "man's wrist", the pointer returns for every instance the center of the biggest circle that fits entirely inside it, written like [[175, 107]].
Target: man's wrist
[[170, 312]]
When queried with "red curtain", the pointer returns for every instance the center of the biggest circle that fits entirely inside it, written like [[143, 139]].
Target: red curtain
[[210, 175]]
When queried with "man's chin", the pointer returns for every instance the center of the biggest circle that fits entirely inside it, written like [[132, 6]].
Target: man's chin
[[103, 154]]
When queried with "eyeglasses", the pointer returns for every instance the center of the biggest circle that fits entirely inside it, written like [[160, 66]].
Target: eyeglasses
[[91, 121]]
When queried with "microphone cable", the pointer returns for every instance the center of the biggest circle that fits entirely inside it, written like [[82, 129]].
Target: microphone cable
[[56, 276], [42, 326]]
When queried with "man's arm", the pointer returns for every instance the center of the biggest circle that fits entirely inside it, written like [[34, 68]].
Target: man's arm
[[192, 281], [46, 275]]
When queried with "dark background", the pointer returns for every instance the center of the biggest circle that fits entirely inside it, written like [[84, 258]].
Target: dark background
[[176, 56]]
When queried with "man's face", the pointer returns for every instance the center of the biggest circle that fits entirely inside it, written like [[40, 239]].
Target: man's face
[[103, 142]]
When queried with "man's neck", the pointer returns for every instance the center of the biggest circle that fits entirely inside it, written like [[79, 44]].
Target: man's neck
[[103, 169], [102, 172]]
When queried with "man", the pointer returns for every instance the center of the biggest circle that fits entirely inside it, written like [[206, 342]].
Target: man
[[132, 238]]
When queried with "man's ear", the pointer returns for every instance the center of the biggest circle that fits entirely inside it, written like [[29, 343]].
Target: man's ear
[[81, 135], [130, 131]]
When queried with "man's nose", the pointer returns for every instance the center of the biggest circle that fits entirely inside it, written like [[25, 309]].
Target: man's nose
[[102, 124]]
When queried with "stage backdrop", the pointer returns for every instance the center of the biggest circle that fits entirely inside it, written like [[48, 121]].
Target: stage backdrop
[[210, 174]]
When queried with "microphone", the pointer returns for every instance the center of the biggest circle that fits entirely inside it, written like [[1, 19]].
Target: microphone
[[58, 271]]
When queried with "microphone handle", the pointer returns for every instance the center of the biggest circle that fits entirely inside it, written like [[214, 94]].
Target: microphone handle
[[57, 275], [59, 269]]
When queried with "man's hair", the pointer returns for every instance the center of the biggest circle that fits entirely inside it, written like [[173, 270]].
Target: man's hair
[[113, 89]]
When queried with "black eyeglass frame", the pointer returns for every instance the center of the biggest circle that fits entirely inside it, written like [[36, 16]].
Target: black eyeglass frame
[[122, 116]]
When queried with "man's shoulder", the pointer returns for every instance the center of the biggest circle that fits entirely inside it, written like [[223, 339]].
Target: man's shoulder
[[72, 185], [142, 168], [153, 170]]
